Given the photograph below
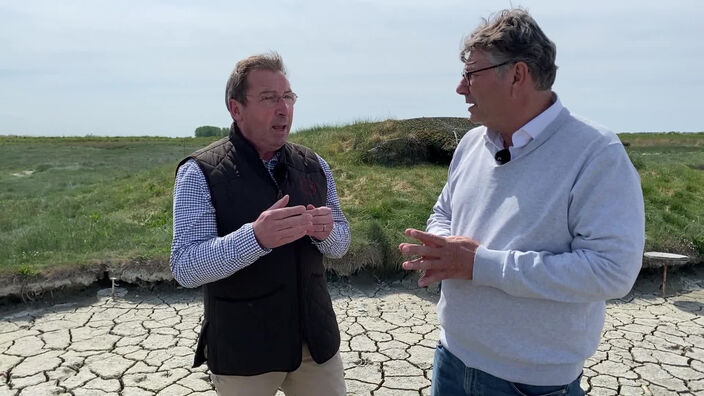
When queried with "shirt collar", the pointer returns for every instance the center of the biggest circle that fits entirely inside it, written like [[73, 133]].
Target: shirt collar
[[272, 161], [537, 125], [530, 130]]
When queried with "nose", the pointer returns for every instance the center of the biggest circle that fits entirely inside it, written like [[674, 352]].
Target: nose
[[462, 87], [283, 108]]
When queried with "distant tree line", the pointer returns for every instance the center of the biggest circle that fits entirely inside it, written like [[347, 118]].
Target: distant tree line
[[208, 130]]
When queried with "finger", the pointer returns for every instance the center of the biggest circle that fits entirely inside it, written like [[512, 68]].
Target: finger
[[425, 237], [310, 207], [316, 229], [420, 263], [282, 213], [326, 220], [430, 277], [321, 211], [290, 234], [404, 245], [320, 229], [301, 220], [410, 249], [281, 203]]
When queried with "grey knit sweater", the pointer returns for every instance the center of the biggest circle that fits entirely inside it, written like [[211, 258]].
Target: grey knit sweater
[[561, 228]]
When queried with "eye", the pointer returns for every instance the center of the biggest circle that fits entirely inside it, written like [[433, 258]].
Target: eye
[[268, 98], [290, 98]]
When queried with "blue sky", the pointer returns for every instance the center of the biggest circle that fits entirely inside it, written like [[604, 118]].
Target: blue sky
[[118, 68]]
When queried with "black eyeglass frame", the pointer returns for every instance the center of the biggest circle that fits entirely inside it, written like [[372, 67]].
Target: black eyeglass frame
[[467, 74]]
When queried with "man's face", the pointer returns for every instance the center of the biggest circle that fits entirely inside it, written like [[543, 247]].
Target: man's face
[[265, 121], [487, 92]]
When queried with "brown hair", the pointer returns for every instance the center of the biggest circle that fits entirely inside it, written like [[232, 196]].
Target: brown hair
[[236, 87]]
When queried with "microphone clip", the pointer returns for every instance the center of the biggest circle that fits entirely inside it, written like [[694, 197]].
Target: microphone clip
[[503, 156]]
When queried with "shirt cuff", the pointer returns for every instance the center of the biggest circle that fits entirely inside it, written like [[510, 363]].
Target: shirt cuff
[[489, 266], [251, 250], [326, 244]]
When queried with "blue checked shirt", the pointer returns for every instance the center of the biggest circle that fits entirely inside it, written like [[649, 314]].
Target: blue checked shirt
[[199, 256]]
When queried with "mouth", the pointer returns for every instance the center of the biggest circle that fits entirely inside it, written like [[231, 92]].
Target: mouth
[[469, 101], [280, 128]]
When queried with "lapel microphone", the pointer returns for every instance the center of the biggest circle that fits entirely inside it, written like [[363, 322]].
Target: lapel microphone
[[502, 156]]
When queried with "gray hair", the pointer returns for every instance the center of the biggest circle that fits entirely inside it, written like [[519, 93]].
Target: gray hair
[[513, 35], [236, 87]]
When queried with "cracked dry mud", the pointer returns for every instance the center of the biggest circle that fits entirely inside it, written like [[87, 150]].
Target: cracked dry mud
[[141, 342]]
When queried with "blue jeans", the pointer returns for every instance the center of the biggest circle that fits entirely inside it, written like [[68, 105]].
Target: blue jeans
[[452, 378]]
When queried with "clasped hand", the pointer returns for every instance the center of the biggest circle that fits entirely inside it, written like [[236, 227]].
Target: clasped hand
[[280, 225], [440, 257]]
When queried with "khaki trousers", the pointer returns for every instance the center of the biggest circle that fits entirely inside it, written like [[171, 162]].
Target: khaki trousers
[[310, 379]]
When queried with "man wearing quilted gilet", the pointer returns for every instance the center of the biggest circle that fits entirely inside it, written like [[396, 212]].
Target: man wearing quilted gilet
[[253, 217]]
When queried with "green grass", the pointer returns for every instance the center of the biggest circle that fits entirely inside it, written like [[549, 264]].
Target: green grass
[[76, 201], [671, 167], [81, 201]]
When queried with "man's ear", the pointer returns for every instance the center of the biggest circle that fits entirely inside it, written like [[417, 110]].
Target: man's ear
[[520, 77], [235, 109], [520, 73]]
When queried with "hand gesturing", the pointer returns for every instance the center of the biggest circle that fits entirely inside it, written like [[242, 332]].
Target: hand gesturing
[[280, 225], [441, 257], [322, 222]]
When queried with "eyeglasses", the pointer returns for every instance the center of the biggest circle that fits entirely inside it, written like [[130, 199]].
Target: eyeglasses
[[467, 74], [271, 100]]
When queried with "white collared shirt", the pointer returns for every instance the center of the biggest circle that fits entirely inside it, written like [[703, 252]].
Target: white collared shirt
[[527, 132]]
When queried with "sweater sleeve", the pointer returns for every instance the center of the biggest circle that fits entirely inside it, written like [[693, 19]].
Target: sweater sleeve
[[440, 221], [606, 219]]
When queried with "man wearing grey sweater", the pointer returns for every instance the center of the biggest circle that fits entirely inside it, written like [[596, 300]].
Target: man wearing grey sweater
[[541, 220]]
